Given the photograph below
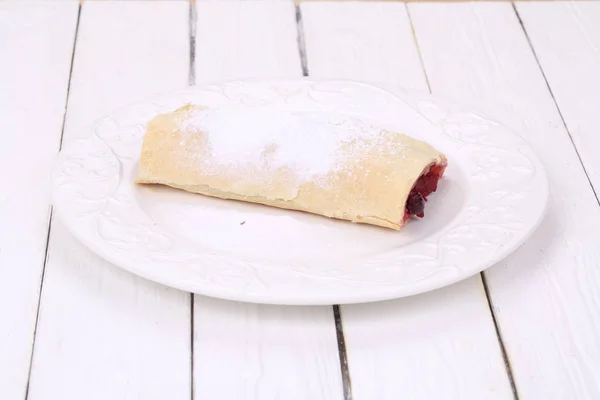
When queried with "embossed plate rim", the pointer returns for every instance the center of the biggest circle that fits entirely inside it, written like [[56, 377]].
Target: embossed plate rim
[[189, 272]]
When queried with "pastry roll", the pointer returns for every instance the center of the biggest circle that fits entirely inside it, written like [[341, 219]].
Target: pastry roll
[[332, 165]]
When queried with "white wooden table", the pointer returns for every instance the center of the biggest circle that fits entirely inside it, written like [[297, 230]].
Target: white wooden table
[[75, 327]]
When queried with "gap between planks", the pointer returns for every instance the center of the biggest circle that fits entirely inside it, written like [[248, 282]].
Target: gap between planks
[[51, 214], [507, 364], [192, 82]]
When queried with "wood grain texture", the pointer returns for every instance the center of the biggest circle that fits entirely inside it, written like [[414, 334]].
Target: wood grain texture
[[546, 295], [246, 39], [566, 40], [370, 42], [33, 88], [423, 347], [245, 350], [104, 333]]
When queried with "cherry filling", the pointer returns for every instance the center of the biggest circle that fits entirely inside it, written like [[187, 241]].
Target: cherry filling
[[425, 185]]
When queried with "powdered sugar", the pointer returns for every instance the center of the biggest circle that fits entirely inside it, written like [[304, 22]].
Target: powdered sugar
[[308, 143]]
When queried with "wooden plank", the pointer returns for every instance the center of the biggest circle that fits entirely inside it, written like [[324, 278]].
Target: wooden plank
[[371, 42], [245, 350], [246, 40], [33, 87], [104, 333], [566, 40], [545, 295], [421, 347]]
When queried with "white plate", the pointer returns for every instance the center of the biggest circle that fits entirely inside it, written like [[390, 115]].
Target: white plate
[[492, 197]]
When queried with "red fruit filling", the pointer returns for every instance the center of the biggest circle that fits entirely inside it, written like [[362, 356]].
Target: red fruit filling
[[425, 185]]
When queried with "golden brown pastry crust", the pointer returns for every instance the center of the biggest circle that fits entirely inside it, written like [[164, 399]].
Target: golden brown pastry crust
[[371, 189]]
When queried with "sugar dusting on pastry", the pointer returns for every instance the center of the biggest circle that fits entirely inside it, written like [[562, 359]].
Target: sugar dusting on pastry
[[320, 162], [311, 144]]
